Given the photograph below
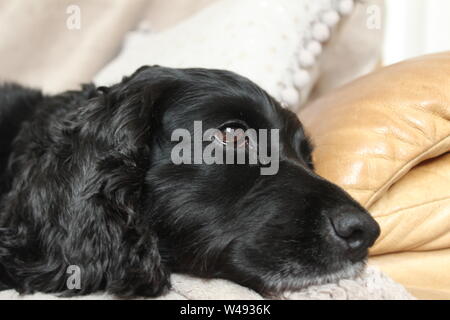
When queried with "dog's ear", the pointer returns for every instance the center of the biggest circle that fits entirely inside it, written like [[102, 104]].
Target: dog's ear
[[78, 193], [120, 127]]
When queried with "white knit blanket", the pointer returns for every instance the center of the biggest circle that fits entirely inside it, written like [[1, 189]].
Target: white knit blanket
[[371, 285]]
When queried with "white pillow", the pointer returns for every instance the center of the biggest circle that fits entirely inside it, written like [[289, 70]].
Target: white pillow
[[275, 43]]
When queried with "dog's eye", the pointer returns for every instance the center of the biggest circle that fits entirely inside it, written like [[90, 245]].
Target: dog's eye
[[232, 134]]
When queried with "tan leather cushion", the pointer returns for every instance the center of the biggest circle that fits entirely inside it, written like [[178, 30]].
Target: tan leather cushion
[[385, 138], [425, 273]]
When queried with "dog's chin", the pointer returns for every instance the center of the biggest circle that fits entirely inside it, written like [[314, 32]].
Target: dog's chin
[[276, 285]]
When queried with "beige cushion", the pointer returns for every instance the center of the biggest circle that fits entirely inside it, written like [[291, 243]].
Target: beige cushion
[[385, 138]]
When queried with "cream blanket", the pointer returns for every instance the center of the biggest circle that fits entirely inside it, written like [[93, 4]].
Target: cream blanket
[[371, 285]]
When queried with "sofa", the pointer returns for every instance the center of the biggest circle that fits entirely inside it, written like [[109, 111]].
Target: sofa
[[385, 138]]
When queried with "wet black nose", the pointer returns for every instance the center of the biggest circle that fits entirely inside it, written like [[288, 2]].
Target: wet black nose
[[356, 230]]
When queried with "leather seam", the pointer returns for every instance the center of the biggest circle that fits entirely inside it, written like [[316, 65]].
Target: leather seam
[[410, 164], [399, 211], [400, 251]]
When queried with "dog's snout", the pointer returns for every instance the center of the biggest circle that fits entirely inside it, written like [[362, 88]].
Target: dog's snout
[[358, 230]]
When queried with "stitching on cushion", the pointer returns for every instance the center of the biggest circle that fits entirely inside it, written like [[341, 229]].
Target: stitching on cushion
[[399, 211], [408, 166], [400, 251], [417, 246]]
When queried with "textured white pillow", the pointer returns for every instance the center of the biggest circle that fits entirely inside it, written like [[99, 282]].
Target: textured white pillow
[[275, 43]]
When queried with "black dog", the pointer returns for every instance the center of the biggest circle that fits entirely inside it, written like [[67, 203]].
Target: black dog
[[87, 180]]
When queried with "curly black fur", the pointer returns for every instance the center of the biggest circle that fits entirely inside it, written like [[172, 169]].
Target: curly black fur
[[86, 180]]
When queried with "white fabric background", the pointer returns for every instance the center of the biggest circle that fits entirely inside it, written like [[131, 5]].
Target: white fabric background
[[415, 27]]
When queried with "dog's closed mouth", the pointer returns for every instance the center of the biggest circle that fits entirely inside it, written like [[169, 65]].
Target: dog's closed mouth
[[292, 284]]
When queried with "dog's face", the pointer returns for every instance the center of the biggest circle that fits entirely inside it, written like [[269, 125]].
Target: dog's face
[[268, 232]]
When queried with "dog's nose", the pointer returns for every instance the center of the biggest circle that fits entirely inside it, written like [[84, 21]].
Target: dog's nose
[[357, 229]]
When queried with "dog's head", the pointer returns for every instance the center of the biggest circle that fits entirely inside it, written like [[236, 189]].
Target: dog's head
[[267, 232], [96, 185]]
